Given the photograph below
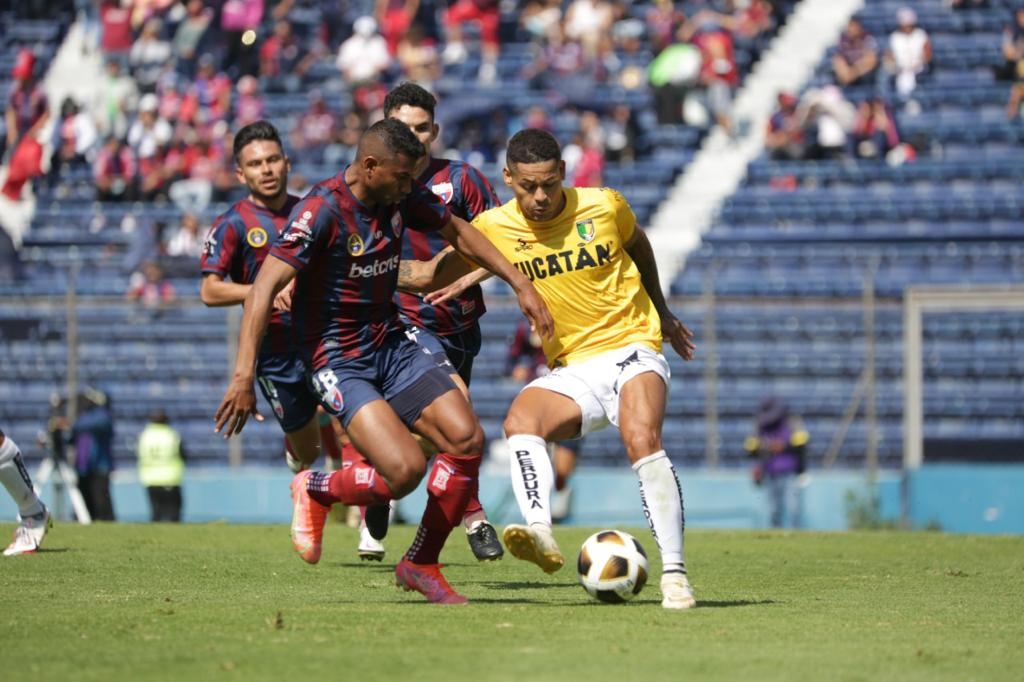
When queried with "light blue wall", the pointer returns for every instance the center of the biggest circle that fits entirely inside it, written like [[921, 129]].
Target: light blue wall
[[602, 497], [955, 498]]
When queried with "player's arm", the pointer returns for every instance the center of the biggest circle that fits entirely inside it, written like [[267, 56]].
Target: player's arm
[[639, 249], [472, 244], [240, 399], [418, 276], [215, 291]]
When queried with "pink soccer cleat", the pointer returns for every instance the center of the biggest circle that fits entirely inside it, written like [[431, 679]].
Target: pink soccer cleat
[[308, 518], [428, 581]]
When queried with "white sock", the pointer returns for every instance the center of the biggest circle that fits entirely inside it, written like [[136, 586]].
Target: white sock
[[15, 478], [662, 498], [533, 477]]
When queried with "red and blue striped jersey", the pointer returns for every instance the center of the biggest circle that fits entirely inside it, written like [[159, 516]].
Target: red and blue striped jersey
[[235, 248], [347, 255], [467, 192]]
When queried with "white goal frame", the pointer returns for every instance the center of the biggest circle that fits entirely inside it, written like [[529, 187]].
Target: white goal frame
[[916, 302]]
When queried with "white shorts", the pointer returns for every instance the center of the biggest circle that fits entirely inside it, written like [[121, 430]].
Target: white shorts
[[594, 384]]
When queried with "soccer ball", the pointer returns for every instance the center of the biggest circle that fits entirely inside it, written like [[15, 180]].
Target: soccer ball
[[612, 566]]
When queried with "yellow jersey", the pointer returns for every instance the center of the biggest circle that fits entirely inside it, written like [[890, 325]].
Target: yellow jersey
[[577, 264]]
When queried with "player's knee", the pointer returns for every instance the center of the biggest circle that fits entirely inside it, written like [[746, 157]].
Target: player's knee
[[641, 443], [469, 442], [403, 476], [517, 424]]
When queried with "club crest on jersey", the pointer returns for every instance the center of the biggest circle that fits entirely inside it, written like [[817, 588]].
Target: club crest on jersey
[[585, 229], [356, 245], [445, 190], [256, 237]]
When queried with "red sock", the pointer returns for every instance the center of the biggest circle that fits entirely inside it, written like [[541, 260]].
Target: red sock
[[350, 456], [355, 486], [452, 482], [473, 506]]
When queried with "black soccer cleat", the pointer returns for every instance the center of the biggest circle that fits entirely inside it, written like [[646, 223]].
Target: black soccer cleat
[[484, 542]]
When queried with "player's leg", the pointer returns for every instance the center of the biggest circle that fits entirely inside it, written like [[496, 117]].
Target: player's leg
[[283, 384], [34, 517], [455, 354], [449, 422], [564, 455], [536, 417], [642, 400]]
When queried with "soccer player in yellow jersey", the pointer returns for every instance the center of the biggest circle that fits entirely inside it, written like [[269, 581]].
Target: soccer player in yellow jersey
[[595, 270]]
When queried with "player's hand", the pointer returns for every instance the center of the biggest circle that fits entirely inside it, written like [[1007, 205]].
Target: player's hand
[[677, 334], [238, 403], [283, 300], [536, 312], [439, 296]]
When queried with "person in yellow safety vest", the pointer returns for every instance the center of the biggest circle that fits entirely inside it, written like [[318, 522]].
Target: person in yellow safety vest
[[161, 467]]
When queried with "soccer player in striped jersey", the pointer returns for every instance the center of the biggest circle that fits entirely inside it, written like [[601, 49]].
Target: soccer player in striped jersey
[[234, 250], [450, 330], [342, 248], [595, 269]]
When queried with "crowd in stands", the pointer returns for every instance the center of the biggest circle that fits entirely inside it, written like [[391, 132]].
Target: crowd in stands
[[180, 75], [881, 75]]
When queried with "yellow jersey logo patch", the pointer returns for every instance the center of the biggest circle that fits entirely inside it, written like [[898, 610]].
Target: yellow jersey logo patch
[[355, 245], [256, 237]]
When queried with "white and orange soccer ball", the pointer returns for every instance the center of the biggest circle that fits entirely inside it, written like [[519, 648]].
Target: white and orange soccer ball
[[612, 566]]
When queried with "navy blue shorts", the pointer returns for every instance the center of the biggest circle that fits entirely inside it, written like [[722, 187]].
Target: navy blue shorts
[[400, 371], [459, 349], [283, 382]]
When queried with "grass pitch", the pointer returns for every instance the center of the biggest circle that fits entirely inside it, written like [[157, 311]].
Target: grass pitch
[[220, 602]]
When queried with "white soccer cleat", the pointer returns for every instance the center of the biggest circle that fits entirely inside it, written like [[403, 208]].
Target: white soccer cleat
[[534, 543], [370, 549], [29, 534], [296, 465], [676, 592]]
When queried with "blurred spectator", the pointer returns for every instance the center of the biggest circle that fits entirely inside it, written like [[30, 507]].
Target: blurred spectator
[[92, 438], [146, 244], [968, 4], [1013, 56], [211, 90], [909, 56], [186, 241], [314, 129], [418, 57], [149, 287], [719, 74], [27, 108], [785, 137], [116, 29], [195, 164], [828, 119], [114, 171], [239, 25], [874, 130], [148, 137], [395, 18], [559, 65], [586, 153], [74, 138], [114, 100], [673, 74], [363, 60], [25, 165], [189, 34], [350, 130], [855, 61], [161, 461], [779, 442], [663, 20], [248, 102], [150, 56], [586, 21], [538, 16], [621, 134], [284, 60], [1012, 48], [485, 13]]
